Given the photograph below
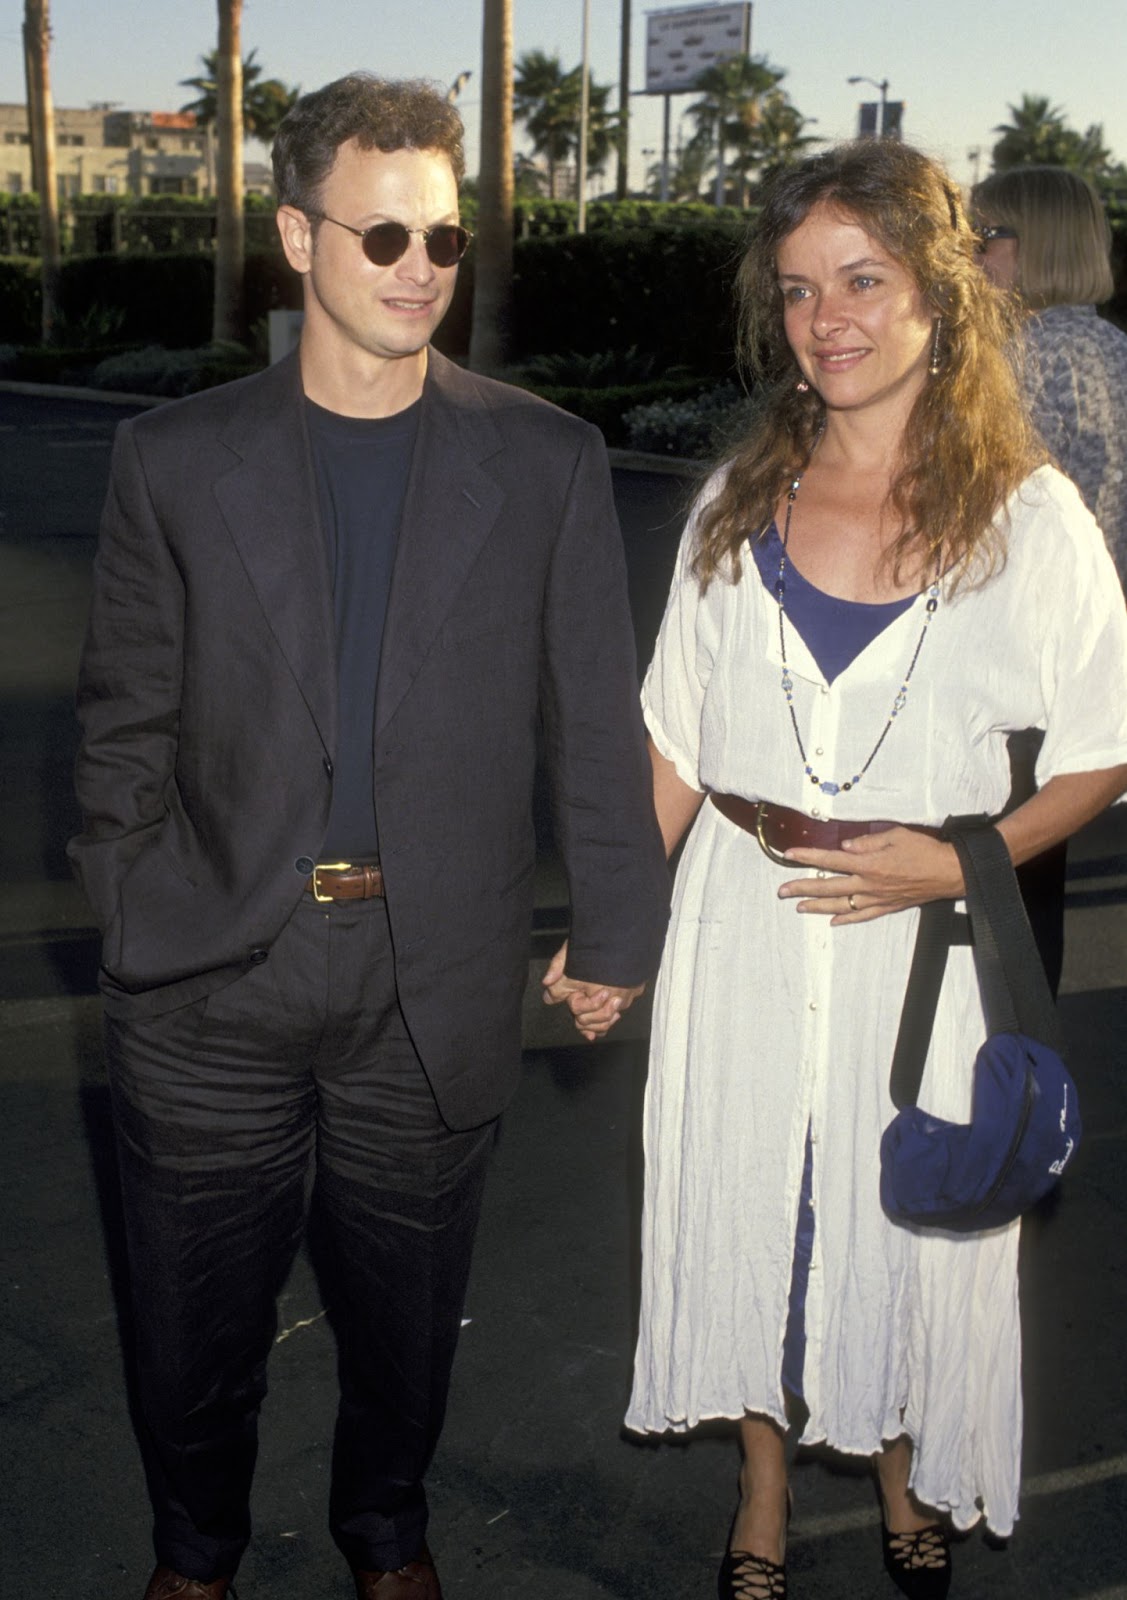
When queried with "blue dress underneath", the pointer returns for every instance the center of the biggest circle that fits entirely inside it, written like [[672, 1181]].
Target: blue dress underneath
[[835, 632]]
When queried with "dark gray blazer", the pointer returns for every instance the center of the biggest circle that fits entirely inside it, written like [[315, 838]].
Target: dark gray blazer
[[207, 701]]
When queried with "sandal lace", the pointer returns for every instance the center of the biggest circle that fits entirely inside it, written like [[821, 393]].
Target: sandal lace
[[925, 1550], [752, 1577]]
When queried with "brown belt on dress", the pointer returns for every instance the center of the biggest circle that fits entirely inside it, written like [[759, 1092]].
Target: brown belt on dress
[[346, 880], [780, 828]]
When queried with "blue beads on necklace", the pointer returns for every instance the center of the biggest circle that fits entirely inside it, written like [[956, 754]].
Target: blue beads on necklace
[[827, 785]]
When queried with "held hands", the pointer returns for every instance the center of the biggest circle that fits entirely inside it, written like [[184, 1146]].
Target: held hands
[[875, 874], [595, 1007]]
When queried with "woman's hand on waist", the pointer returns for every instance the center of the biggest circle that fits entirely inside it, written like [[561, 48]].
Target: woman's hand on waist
[[873, 875]]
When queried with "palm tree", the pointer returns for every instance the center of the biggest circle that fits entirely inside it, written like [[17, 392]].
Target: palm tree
[[1038, 135], [730, 110], [228, 320], [493, 260], [546, 99], [686, 171], [41, 112], [265, 100], [782, 138]]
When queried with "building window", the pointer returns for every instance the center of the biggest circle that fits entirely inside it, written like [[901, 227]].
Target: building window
[[72, 138], [14, 184], [169, 185], [69, 185], [17, 138]]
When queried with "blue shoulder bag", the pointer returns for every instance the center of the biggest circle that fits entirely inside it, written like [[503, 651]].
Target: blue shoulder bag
[[1025, 1115]]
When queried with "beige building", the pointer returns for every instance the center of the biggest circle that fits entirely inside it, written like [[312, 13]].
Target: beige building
[[105, 150]]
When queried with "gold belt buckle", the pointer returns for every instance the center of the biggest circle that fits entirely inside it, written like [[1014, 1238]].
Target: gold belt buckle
[[760, 825], [326, 866]]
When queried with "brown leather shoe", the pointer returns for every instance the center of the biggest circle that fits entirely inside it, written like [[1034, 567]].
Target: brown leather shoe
[[168, 1585], [418, 1580]]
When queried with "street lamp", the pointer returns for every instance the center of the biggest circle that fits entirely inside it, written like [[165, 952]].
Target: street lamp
[[882, 88]]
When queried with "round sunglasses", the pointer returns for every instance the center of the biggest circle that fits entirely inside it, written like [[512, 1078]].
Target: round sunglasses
[[385, 243]]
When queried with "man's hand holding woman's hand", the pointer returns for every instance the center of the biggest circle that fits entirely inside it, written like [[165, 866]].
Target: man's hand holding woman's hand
[[595, 1007]]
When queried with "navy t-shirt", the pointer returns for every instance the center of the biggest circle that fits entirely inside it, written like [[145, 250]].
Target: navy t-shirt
[[361, 466], [834, 631]]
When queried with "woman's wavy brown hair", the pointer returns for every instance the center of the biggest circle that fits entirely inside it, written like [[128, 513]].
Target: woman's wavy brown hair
[[968, 443]]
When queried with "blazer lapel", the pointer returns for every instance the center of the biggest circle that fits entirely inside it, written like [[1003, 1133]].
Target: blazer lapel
[[449, 510], [269, 502]]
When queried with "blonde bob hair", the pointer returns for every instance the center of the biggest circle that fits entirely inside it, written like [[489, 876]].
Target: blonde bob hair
[[1063, 237], [967, 444]]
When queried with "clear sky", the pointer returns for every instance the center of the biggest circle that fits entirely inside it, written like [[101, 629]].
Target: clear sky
[[957, 64]]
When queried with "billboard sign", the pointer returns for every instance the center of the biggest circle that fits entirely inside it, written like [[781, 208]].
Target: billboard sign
[[683, 43]]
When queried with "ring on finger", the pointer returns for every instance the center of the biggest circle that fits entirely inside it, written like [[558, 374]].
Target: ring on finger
[[851, 902]]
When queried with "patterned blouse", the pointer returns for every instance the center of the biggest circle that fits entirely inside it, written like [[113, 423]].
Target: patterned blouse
[[1077, 378]]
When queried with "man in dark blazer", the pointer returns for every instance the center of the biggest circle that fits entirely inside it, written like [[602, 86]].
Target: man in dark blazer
[[332, 604]]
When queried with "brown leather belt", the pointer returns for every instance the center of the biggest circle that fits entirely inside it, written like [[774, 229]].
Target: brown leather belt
[[346, 880], [780, 828]]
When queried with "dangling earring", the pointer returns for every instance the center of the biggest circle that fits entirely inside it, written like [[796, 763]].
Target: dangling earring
[[935, 366], [802, 386]]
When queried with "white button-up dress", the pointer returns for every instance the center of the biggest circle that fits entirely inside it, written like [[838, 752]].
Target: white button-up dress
[[768, 1023]]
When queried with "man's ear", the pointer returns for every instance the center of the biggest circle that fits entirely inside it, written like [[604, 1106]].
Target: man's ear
[[296, 232]]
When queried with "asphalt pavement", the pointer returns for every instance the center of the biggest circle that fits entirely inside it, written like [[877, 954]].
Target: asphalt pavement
[[536, 1490]]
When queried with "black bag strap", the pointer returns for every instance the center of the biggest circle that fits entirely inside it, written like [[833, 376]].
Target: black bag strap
[[1011, 979]]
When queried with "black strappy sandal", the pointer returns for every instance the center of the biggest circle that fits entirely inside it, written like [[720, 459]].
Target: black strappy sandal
[[747, 1577], [919, 1563]]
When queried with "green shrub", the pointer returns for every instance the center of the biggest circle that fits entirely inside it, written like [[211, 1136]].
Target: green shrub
[[607, 408], [697, 428], [56, 363], [155, 370], [604, 369]]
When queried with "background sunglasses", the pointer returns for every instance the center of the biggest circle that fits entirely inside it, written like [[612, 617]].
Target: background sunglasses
[[384, 243], [990, 231]]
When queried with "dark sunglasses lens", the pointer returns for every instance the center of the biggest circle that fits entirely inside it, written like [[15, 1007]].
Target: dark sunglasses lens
[[446, 244], [385, 243]]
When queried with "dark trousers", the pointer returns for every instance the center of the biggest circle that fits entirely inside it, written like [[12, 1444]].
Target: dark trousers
[[222, 1109]]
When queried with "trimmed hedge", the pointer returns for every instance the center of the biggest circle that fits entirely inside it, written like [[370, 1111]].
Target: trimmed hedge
[[20, 300], [663, 289], [162, 299]]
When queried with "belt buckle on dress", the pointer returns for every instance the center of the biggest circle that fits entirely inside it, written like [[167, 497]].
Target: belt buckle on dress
[[760, 819], [326, 866]]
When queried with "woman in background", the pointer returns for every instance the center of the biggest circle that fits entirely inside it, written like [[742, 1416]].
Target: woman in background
[[879, 585], [1044, 234]]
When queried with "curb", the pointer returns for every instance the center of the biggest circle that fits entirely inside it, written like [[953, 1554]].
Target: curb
[[66, 391]]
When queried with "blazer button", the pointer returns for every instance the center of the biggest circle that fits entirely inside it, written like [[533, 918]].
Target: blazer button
[[328, 766], [304, 865], [257, 957]]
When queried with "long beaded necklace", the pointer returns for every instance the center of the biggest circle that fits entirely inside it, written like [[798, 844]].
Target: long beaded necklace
[[827, 786]]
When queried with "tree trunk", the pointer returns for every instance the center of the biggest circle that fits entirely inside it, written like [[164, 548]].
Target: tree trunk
[[493, 246], [229, 318], [37, 47], [32, 109], [622, 174]]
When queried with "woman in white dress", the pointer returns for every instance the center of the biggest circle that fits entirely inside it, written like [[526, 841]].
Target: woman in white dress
[[882, 581]]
